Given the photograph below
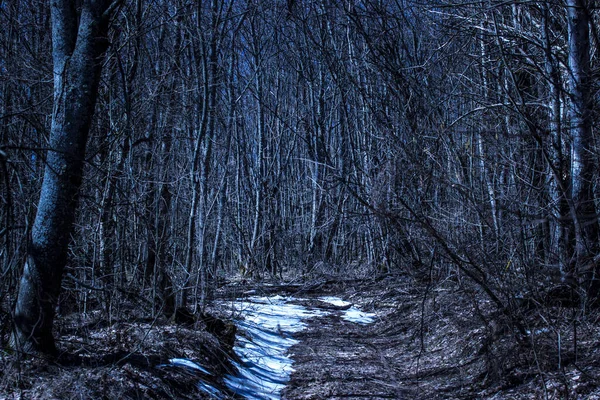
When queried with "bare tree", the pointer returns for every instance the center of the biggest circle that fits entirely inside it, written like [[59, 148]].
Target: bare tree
[[583, 164], [79, 43]]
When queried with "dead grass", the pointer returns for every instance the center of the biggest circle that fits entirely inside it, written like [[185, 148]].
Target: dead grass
[[118, 361], [443, 342], [449, 344]]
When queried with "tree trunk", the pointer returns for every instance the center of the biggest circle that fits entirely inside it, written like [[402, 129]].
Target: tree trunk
[[558, 180], [79, 43], [583, 162]]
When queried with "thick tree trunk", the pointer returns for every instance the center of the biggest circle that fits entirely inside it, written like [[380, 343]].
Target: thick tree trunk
[[583, 162], [558, 151], [79, 42]]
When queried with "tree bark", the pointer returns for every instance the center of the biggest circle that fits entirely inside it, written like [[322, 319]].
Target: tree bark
[[558, 151], [79, 43], [583, 159]]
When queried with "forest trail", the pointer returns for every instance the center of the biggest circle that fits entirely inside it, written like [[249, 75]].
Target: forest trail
[[368, 357], [331, 347], [338, 359], [348, 339], [348, 349], [420, 346]]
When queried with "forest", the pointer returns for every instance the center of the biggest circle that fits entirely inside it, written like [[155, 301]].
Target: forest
[[438, 156]]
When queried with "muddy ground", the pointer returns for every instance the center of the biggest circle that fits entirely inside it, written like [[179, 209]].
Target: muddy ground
[[438, 344], [443, 342]]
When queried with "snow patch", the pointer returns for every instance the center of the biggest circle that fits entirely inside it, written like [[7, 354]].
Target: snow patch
[[267, 326], [185, 363], [336, 301], [264, 338], [353, 314]]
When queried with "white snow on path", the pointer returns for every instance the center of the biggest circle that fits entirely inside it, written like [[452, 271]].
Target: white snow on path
[[263, 344], [353, 314], [266, 336], [265, 331]]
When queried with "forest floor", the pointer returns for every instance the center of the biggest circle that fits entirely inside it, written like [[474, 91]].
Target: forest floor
[[131, 357], [425, 343], [434, 344]]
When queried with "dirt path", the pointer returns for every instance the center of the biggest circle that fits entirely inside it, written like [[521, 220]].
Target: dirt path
[[392, 358], [424, 344], [429, 345], [337, 359], [340, 359]]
